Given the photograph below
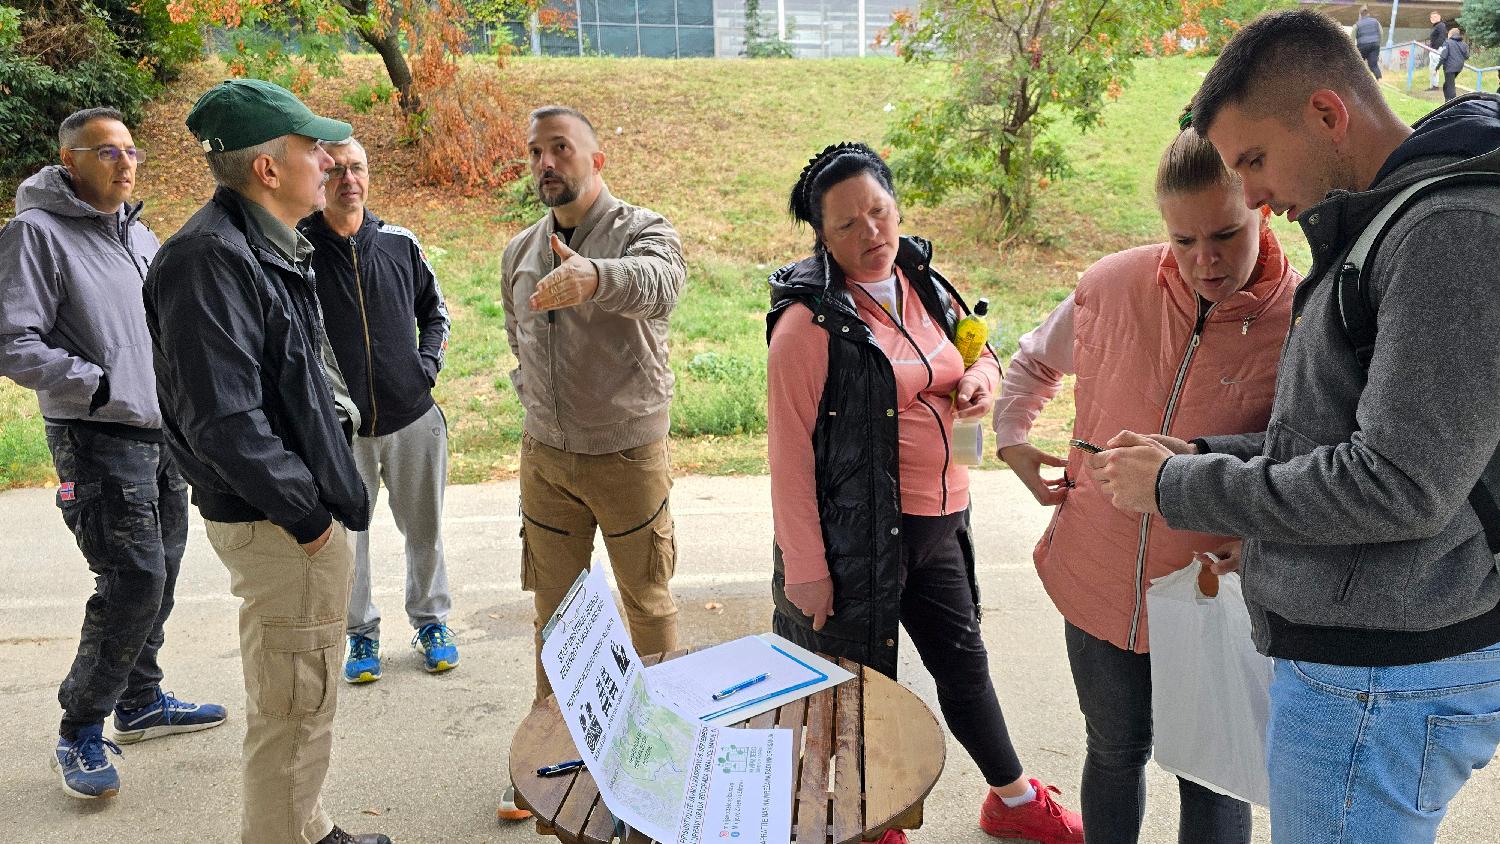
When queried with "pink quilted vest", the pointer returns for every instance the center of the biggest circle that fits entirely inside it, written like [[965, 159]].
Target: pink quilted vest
[[1141, 366]]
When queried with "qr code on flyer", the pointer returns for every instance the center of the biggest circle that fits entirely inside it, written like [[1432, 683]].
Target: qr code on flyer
[[608, 690], [592, 732]]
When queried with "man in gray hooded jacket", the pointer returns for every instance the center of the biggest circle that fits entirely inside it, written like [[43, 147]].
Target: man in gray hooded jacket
[[73, 328], [1368, 504]]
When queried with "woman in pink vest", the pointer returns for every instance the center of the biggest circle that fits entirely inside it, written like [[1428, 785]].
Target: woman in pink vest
[[1181, 338]]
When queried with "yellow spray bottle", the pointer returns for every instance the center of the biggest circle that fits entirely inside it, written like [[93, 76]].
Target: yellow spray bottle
[[969, 336]]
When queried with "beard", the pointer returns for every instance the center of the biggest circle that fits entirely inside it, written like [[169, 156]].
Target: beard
[[566, 194]]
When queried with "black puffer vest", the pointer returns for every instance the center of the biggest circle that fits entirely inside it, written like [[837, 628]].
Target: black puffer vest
[[855, 461]]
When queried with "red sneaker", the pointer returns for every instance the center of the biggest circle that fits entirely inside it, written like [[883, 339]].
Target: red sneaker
[[1042, 820]]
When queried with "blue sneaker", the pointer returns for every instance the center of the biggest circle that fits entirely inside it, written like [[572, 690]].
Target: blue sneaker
[[363, 663], [435, 641], [84, 764], [163, 717]]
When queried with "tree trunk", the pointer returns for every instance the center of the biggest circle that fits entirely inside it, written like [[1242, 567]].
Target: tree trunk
[[388, 45]]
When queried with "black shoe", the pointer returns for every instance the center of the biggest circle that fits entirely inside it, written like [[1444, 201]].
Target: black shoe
[[338, 836]]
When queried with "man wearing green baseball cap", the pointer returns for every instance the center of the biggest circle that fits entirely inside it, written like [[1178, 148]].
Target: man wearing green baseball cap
[[258, 418]]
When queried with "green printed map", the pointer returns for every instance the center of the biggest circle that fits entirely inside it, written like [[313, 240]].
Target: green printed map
[[646, 758]]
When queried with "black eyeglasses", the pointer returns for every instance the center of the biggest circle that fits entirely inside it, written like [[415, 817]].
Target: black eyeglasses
[[109, 153]]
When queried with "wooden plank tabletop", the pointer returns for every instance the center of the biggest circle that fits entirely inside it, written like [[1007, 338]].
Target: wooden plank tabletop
[[844, 788]]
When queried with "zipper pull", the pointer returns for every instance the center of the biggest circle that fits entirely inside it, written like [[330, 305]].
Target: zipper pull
[[1245, 326]]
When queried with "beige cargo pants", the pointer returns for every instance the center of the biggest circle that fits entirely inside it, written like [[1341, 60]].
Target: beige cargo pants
[[564, 497], [291, 646]]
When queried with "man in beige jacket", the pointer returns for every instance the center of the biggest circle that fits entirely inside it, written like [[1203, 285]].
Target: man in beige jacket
[[588, 292]]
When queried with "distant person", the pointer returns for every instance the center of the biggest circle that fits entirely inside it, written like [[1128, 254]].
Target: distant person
[[259, 418], [588, 293], [388, 326], [1213, 303], [72, 328], [871, 512], [1435, 39], [1367, 39], [1454, 54]]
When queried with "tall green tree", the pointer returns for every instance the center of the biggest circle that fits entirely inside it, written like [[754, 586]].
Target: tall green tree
[[1481, 23], [1016, 67]]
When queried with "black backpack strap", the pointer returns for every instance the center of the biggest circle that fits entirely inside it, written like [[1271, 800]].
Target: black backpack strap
[[1356, 312], [1358, 317]]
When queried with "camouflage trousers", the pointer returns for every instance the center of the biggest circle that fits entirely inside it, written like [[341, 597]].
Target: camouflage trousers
[[126, 505]]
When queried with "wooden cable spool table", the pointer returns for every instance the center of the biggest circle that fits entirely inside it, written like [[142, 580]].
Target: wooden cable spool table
[[871, 751]]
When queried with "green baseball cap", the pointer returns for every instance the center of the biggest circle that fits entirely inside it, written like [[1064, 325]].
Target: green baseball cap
[[239, 113]]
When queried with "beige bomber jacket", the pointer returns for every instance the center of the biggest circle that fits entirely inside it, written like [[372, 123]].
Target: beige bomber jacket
[[593, 378]]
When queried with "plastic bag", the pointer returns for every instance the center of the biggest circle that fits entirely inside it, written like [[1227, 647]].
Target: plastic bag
[[1210, 689]]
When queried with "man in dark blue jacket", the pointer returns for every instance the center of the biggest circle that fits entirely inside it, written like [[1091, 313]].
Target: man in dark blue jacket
[[72, 329], [375, 284], [258, 417], [1368, 503]]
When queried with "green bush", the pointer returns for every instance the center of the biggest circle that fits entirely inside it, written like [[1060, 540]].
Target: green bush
[[59, 57], [366, 96]]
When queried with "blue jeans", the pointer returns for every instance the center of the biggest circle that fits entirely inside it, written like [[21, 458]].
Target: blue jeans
[[1375, 754]]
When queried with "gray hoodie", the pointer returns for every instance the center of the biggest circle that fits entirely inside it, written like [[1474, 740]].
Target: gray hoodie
[[1362, 547], [70, 303]]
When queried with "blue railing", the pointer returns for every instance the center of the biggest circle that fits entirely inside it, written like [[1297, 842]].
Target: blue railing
[[1415, 56]]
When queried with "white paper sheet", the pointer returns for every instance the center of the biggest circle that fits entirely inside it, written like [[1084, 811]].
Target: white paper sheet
[[688, 683], [673, 778]]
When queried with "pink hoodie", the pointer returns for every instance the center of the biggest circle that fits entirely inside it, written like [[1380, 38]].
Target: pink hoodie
[[1128, 333], [796, 371]]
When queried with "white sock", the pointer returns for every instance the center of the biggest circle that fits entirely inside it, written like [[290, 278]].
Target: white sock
[[1020, 799]]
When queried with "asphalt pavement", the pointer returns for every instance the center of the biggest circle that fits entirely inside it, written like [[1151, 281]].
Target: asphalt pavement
[[423, 757]]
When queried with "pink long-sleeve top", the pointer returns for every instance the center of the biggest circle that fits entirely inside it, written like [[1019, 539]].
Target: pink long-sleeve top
[[1035, 375], [927, 370]]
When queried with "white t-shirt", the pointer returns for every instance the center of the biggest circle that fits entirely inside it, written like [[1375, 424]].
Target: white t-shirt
[[887, 293]]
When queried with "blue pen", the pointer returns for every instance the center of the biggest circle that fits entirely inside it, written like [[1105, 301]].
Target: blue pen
[[740, 687], [559, 768]]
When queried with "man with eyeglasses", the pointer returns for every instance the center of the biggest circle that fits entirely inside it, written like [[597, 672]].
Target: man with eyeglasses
[[375, 283], [73, 329]]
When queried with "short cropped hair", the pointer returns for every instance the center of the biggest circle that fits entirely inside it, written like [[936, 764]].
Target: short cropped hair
[[72, 125], [232, 170], [1275, 63], [546, 112]]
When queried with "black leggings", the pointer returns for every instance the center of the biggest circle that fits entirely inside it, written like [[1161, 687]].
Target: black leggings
[[937, 610], [1372, 58], [1450, 84]]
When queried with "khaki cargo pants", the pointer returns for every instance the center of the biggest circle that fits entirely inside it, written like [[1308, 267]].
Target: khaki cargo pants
[[291, 647], [564, 497]]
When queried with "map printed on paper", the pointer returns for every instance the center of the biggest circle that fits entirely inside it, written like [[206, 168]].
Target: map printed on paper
[[673, 778]]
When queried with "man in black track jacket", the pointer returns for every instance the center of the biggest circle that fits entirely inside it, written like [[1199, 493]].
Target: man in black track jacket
[[389, 329]]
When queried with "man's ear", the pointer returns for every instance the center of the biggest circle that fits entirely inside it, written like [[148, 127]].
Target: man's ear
[[598, 158], [1328, 114], [264, 170], [66, 156]]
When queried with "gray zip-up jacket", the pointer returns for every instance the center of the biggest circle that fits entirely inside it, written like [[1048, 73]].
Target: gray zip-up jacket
[[594, 378], [1362, 548], [70, 303]]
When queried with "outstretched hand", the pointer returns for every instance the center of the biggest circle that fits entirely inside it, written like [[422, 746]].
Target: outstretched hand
[[573, 282]]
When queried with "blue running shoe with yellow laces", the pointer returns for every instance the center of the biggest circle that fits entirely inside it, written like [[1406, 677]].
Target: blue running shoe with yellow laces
[[363, 663], [165, 716], [84, 764], [435, 641]]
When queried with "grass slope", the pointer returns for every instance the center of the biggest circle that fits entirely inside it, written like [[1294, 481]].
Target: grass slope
[[715, 146]]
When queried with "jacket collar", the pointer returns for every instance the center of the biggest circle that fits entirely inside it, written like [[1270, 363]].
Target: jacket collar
[[315, 227], [603, 203], [234, 205]]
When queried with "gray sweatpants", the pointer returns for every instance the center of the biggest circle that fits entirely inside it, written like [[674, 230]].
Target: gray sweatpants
[[412, 465]]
